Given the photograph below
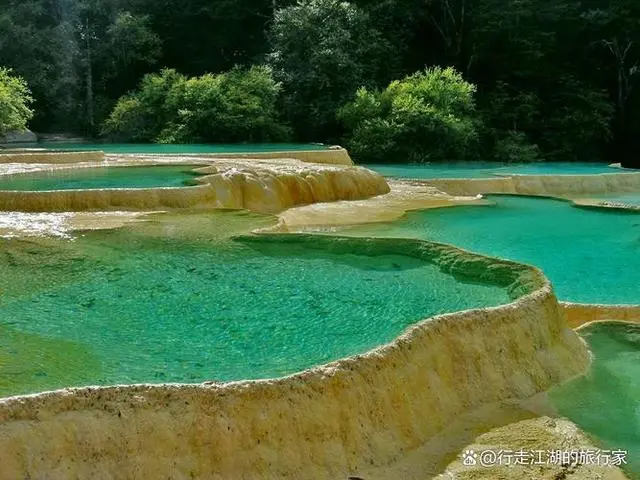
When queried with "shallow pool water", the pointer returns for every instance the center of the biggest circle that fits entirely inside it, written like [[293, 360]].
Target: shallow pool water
[[176, 300], [590, 255], [162, 148], [606, 402], [101, 177], [490, 169]]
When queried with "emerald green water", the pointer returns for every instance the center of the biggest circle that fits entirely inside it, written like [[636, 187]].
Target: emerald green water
[[101, 177], [176, 300], [590, 255], [606, 402], [177, 148]]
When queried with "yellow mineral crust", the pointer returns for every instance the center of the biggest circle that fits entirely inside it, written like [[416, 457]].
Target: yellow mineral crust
[[404, 410], [44, 157], [551, 185], [603, 203], [334, 421], [334, 156], [403, 196], [579, 314], [264, 186]]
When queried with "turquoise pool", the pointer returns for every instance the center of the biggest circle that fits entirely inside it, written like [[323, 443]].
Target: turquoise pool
[[176, 300], [590, 255], [101, 177], [176, 148], [490, 169], [606, 402]]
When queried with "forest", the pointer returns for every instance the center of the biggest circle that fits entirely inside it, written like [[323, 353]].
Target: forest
[[393, 80]]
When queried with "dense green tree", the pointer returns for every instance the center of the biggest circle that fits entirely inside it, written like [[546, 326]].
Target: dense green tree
[[405, 25], [235, 106], [15, 101], [322, 51], [115, 48], [37, 41], [613, 33], [200, 36], [142, 115], [528, 96], [78, 56], [428, 116], [556, 79]]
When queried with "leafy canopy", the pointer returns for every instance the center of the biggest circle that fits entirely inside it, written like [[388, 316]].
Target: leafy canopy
[[235, 106], [322, 51], [15, 101], [427, 116]]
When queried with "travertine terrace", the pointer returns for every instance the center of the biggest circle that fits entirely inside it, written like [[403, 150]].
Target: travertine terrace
[[328, 422], [359, 416], [264, 186]]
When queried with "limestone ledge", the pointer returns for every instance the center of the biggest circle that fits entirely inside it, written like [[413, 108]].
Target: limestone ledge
[[331, 156], [599, 203], [334, 156], [404, 196], [50, 157], [333, 421], [264, 186], [552, 185], [579, 314]]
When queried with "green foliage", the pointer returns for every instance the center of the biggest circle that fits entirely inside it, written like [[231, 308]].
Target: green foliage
[[236, 106], [428, 116], [40, 47], [514, 146], [580, 123], [322, 51], [142, 115], [201, 36], [73, 52], [556, 79], [15, 100]]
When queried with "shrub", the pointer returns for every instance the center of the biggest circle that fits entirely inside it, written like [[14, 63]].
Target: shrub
[[236, 106], [141, 116], [514, 147], [15, 101], [428, 116]]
